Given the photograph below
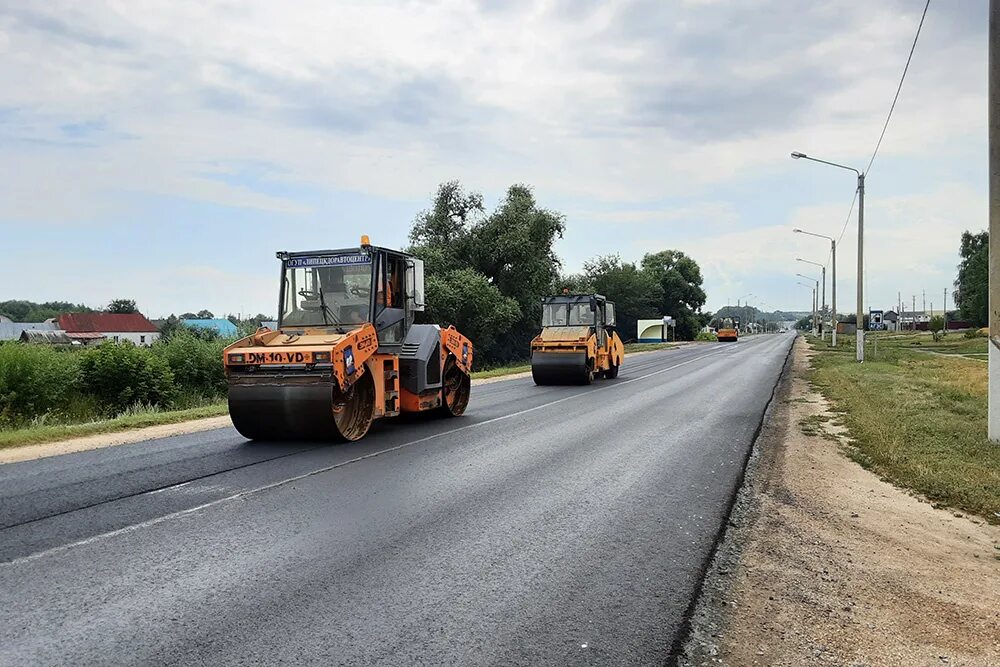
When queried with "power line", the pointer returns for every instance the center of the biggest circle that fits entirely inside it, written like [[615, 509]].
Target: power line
[[899, 87], [888, 117]]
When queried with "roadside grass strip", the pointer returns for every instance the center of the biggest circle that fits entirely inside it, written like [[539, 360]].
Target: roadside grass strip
[[44, 433], [917, 420]]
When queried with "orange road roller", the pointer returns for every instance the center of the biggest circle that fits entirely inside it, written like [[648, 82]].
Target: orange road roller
[[577, 342], [346, 350]]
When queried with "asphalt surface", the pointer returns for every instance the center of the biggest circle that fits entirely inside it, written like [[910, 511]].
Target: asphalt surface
[[549, 525]]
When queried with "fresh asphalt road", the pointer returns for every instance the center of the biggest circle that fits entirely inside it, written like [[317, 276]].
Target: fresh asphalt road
[[549, 525]]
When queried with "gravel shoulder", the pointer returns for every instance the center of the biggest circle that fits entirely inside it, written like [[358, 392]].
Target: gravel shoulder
[[824, 563]]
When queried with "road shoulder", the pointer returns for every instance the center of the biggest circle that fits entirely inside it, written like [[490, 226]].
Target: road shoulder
[[824, 563]]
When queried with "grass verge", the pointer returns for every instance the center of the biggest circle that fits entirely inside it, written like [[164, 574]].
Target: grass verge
[[917, 420], [44, 433]]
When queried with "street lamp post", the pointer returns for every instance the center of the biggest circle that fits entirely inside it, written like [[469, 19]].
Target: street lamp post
[[815, 298], [813, 289], [859, 314], [822, 310], [833, 281]]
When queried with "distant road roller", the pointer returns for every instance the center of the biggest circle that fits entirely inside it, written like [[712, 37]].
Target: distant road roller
[[346, 351], [728, 329], [577, 342]]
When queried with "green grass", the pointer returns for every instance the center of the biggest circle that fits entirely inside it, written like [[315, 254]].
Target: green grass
[[129, 420], [917, 420], [519, 367]]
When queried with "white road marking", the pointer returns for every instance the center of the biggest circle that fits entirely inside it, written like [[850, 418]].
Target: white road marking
[[319, 471]]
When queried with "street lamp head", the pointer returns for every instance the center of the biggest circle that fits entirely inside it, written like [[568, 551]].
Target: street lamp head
[[796, 155], [797, 230]]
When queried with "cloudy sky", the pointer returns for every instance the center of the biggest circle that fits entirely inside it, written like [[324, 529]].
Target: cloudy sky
[[163, 150]]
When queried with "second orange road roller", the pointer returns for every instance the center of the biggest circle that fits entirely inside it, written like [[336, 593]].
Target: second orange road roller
[[578, 341], [346, 350]]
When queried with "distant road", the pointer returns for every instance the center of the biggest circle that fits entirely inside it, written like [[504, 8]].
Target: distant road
[[550, 525]]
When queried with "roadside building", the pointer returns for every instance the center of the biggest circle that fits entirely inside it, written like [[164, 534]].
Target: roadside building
[[223, 327], [10, 330], [913, 319], [890, 319], [45, 337], [92, 328]]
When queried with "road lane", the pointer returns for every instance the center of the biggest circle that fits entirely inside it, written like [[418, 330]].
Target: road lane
[[583, 520]]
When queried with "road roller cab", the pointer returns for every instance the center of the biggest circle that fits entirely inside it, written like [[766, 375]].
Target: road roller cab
[[346, 350], [577, 342]]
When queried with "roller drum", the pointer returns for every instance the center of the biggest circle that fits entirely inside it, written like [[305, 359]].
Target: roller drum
[[300, 408], [560, 368]]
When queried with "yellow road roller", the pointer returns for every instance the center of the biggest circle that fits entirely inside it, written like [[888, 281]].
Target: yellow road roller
[[346, 350], [577, 342]]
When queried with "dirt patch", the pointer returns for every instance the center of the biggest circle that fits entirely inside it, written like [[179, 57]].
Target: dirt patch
[[824, 563]]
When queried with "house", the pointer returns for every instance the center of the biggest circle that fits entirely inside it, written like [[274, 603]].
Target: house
[[90, 328], [890, 319], [10, 330], [908, 318], [46, 337], [223, 327]]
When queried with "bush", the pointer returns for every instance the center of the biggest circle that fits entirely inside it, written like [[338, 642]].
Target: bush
[[119, 375], [195, 362], [706, 335], [35, 380]]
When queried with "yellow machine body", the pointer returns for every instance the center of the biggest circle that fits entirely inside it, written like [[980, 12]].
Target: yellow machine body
[[577, 342]]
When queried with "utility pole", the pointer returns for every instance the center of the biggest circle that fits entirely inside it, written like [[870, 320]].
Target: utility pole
[[993, 111], [913, 314], [944, 309], [861, 270], [899, 311], [925, 303]]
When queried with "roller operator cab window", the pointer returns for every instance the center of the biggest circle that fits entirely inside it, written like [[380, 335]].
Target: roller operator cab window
[[574, 314], [327, 291]]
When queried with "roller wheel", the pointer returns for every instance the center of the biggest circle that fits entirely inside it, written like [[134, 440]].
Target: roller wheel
[[354, 411], [455, 390], [612, 372], [588, 375]]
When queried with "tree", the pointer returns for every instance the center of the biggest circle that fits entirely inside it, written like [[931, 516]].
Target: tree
[[504, 260], [972, 284], [680, 278], [122, 306], [635, 293], [937, 323], [205, 315]]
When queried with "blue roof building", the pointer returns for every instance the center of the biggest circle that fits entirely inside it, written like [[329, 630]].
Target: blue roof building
[[223, 327]]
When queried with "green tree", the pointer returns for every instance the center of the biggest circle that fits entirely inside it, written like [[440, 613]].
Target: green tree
[[936, 323], [468, 300], [680, 278], [636, 293], [505, 260], [972, 284], [122, 306], [205, 314]]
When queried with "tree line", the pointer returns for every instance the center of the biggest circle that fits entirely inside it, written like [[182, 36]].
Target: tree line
[[487, 271]]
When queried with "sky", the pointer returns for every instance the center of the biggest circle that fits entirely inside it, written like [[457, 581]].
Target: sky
[[164, 150]]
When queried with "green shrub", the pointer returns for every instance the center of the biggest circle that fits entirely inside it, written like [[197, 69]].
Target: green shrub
[[35, 380], [706, 335], [196, 363], [120, 375]]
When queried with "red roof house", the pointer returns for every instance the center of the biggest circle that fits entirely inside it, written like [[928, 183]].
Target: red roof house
[[90, 327]]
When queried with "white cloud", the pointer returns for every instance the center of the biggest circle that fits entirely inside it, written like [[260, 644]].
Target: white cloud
[[625, 102]]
